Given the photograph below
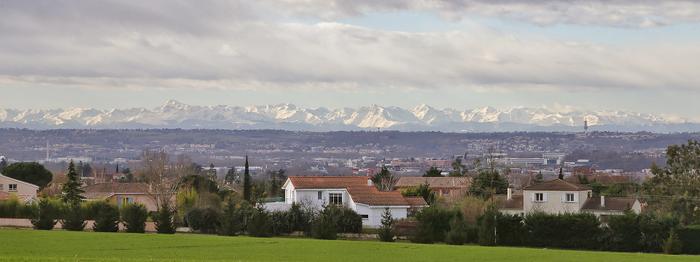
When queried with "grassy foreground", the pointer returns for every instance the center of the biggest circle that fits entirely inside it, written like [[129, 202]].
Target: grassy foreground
[[31, 245]]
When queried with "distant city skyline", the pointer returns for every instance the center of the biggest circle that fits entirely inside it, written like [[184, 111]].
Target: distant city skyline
[[637, 56]]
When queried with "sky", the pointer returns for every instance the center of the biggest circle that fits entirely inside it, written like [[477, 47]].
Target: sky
[[630, 55]]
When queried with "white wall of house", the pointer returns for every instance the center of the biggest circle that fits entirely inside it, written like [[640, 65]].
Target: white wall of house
[[25, 192], [554, 201], [374, 214]]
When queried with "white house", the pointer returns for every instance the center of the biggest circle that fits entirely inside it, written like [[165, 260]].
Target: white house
[[24, 191], [355, 192], [559, 196]]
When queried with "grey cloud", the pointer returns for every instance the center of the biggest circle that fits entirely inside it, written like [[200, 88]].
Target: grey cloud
[[229, 44]]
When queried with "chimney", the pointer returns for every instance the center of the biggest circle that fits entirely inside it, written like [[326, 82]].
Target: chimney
[[369, 182], [509, 195], [602, 201]]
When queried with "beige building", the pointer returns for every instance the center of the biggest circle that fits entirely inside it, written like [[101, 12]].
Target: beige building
[[121, 194], [10, 187], [559, 196], [444, 186]]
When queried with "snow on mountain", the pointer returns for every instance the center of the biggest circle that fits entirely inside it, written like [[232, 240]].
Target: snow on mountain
[[174, 114]]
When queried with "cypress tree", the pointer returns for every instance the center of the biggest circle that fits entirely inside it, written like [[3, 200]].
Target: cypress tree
[[71, 192], [246, 181], [561, 173]]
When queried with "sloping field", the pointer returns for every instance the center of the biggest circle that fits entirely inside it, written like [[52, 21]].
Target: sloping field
[[31, 245]]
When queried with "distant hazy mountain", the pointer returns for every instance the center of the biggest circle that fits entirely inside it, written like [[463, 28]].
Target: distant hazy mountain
[[174, 114]]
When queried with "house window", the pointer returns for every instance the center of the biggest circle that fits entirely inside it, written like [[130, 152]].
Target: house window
[[365, 216], [539, 197], [2, 187], [12, 187], [569, 197], [320, 195], [335, 198]]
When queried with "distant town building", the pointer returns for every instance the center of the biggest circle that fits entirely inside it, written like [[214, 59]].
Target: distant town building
[[445, 186]]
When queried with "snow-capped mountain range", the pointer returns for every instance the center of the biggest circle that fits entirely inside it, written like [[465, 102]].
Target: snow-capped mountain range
[[174, 114]]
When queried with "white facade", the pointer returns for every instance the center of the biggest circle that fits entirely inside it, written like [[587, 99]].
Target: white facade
[[320, 197], [24, 191]]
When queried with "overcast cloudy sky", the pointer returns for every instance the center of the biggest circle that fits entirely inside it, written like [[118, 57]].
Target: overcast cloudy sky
[[636, 55]]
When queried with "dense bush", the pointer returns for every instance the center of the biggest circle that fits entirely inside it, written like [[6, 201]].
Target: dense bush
[[578, 231], [673, 244], [260, 224], [325, 225], [690, 237], [458, 233], [510, 230], [300, 218], [12, 208], [655, 229], [349, 221], [46, 214], [280, 222], [73, 218], [386, 230], [631, 232], [134, 217], [106, 217], [433, 224], [163, 220], [231, 220], [205, 220], [486, 227]]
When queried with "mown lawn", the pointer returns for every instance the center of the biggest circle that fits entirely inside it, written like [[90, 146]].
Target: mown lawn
[[31, 245]]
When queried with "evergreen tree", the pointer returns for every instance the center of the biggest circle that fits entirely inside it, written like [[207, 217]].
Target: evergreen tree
[[45, 217], [71, 192], [386, 230], [247, 186], [561, 173], [3, 164], [433, 172], [74, 219], [231, 220], [164, 220]]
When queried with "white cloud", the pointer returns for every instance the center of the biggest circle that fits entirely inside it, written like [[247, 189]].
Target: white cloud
[[229, 44]]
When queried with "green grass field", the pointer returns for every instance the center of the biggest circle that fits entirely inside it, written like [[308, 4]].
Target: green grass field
[[31, 245]]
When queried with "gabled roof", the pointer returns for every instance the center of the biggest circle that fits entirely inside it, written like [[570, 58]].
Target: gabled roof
[[516, 202], [611, 204], [105, 190], [20, 181], [557, 185], [434, 182], [358, 188]]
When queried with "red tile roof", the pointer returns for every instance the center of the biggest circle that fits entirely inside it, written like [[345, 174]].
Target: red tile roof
[[358, 188], [435, 182], [557, 185]]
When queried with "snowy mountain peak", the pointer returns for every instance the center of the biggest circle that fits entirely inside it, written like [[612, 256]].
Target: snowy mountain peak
[[175, 114]]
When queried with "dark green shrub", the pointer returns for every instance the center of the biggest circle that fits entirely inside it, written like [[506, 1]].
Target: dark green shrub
[[280, 222], [458, 233], [655, 230], [690, 237], [673, 244], [300, 218], [12, 208], [106, 217], [134, 217], [623, 233], [204, 220], [325, 225], [349, 221], [433, 224], [163, 220], [578, 231], [510, 230], [487, 227], [46, 214], [231, 220], [260, 224], [73, 218], [386, 230]]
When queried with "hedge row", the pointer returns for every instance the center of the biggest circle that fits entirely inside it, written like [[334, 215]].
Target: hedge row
[[629, 232]]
